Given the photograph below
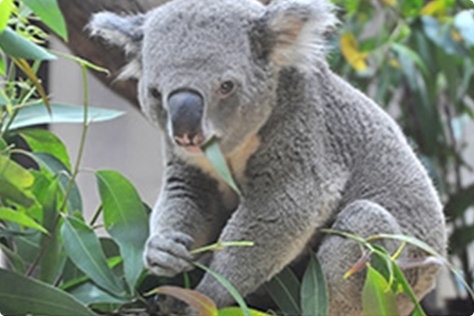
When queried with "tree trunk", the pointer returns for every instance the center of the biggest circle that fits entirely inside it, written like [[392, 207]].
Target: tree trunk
[[77, 14]]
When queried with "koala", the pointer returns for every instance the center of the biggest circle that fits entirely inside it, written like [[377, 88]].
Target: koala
[[306, 149]]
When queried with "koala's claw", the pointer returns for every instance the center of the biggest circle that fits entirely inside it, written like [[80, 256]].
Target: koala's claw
[[167, 254]]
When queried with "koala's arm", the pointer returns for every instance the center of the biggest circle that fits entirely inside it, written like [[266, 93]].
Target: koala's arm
[[273, 217], [187, 215]]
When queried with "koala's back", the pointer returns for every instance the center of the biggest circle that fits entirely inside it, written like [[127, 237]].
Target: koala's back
[[382, 166]]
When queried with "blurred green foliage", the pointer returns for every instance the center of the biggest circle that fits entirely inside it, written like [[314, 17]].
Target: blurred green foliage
[[416, 59]]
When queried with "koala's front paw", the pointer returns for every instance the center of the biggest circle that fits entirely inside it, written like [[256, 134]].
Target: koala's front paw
[[167, 254]]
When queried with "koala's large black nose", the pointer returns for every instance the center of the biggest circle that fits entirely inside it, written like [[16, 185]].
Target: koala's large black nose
[[185, 109]]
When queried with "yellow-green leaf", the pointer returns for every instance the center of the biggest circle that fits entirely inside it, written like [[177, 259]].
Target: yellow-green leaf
[[20, 218], [6, 7], [437, 7], [15, 182], [377, 296], [350, 51]]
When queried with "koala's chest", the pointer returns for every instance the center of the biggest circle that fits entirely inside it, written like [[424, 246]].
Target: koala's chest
[[236, 161]]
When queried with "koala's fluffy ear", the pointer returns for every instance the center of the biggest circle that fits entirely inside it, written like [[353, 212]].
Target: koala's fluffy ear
[[295, 30], [124, 31]]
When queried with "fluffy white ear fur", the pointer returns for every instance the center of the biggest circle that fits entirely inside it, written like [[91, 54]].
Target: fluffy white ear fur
[[124, 31], [299, 28]]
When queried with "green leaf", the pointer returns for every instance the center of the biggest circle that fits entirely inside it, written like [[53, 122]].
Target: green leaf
[[235, 311], [6, 7], [377, 296], [125, 220], [3, 69], [15, 182], [43, 141], [53, 258], [441, 35], [314, 293], [15, 261], [88, 294], [229, 287], [408, 239], [83, 248], [414, 56], [20, 295], [56, 168], [406, 288], [10, 215], [201, 303], [17, 46], [284, 289], [214, 155], [50, 15], [60, 113]]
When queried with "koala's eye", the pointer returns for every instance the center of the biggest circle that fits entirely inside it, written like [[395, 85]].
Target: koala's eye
[[226, 88], [155, 93]]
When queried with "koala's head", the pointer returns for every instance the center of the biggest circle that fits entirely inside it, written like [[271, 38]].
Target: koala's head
[[209, 68]]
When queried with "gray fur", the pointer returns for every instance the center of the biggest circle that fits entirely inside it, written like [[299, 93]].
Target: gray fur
[[325, 154]]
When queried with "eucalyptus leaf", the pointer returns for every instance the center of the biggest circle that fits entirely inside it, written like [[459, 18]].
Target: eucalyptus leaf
[[49, 13], [377, 296], [43, 141], [56, 168], [216, 158], [6, 7], [15, 45], [60, 113], [88, 293], [229, 287], [284, 289], [15, 182], [24, 220], [15, 262], [314, 292], [20, 295], [125, 220], [83, 248]]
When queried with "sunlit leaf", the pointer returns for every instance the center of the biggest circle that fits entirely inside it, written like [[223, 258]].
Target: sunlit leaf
[[125, 220], [43, 141], [436, 7], [350, 51], [214, 155], [201, 303], [377, 296], [50, 15], [6, 7], [314, 292], [24, 220], [20, 295], [15, 182]]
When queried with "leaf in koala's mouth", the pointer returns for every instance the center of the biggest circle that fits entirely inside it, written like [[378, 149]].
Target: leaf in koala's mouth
[[216, 158]]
